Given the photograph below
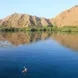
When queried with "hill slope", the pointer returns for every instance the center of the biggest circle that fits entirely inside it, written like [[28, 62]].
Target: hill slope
[[24, 20], [67, 18]]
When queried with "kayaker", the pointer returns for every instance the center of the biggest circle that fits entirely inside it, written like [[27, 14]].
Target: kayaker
[[25, 70]]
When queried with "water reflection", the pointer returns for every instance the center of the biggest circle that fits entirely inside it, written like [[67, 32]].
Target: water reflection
[[18, 38], [69, 40]]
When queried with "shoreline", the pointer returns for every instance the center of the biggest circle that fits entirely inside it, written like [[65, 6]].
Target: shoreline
[[53, 28]]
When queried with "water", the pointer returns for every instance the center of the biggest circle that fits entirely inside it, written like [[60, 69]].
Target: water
[[45, 55]]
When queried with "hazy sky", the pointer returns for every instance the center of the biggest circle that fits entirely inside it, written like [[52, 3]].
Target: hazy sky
[[42, 8]]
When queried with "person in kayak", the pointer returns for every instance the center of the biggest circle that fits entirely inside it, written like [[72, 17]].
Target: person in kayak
[[25, 70]]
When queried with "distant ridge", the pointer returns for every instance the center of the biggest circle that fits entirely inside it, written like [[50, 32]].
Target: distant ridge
[[66, 18]]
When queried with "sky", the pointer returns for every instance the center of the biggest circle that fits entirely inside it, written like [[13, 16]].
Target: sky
[[40, 8]]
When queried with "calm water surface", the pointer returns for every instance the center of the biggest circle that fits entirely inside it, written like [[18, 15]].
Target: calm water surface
[[45, 55]]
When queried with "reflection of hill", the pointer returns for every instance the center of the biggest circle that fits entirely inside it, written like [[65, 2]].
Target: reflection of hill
[[18, 38], [68, 40]]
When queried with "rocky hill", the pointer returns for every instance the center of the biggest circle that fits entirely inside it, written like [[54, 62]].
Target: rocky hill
[[24, 20], [67, 18]]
